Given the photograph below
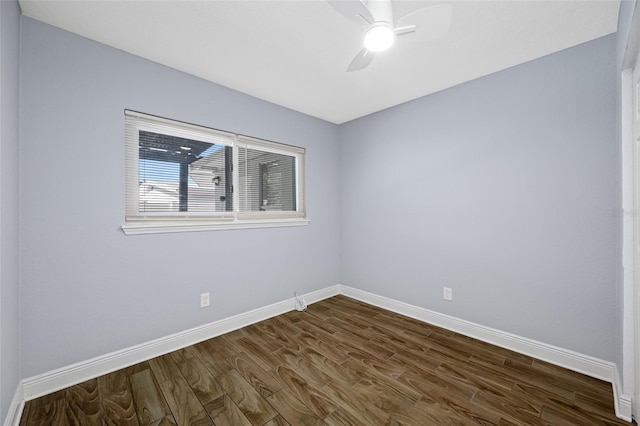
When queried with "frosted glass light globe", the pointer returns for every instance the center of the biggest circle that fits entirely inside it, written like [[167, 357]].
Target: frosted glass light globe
[[379, 37]]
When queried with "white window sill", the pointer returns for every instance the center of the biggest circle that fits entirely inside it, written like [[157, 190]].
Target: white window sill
[[137, 227]]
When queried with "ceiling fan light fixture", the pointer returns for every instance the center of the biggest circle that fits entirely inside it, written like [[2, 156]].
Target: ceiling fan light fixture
[[379, 37]]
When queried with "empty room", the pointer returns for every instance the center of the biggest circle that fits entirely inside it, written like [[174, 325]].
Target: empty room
[[334, 212]]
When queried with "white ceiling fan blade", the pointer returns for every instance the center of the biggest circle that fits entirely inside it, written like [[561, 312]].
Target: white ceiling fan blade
[[431, 22], [355, 10], [362, 60], [404, 30]]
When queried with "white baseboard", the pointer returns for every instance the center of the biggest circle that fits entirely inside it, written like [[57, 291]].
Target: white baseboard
[[565, 358], [68, 376], [64, 377], [15, 409], [571, 360], [622, 402]]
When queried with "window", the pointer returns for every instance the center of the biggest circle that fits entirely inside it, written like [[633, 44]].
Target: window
[[183, 177]]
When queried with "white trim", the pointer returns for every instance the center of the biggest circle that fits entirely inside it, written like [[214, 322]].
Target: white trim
[[138, 227], [15, 409], [64, 377], [627, 383], [622, 402], [629, 217]]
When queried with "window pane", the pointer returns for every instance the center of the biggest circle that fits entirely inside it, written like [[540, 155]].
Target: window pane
[[182, 175], [267, 181]]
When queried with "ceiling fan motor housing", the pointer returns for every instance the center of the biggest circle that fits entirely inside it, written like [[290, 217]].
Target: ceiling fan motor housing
[[381, 10]]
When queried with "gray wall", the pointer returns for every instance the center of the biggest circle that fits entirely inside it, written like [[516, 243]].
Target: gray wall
[[503, 189], [9, 289], [87, 288]]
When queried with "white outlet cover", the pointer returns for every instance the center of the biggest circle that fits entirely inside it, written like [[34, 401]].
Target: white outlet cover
[[204, 300], [447, 293]]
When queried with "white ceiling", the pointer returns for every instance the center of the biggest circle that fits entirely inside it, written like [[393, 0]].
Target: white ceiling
[[294, 53]]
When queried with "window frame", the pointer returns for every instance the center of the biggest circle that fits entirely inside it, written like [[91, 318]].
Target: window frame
[[137, 222]]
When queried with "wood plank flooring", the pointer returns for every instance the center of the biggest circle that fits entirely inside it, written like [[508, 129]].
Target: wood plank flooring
[[341, 362]]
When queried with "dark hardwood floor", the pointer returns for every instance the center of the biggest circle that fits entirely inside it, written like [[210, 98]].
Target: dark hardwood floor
[[341, 362]]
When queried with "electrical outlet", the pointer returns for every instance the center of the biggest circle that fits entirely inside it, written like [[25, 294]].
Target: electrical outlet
[[204, 300], [447, 293]]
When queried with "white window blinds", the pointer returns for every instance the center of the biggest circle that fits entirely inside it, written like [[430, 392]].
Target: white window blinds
[[267, 177], [178, 169]]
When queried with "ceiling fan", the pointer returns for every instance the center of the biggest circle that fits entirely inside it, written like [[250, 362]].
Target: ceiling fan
[[429, 23]]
